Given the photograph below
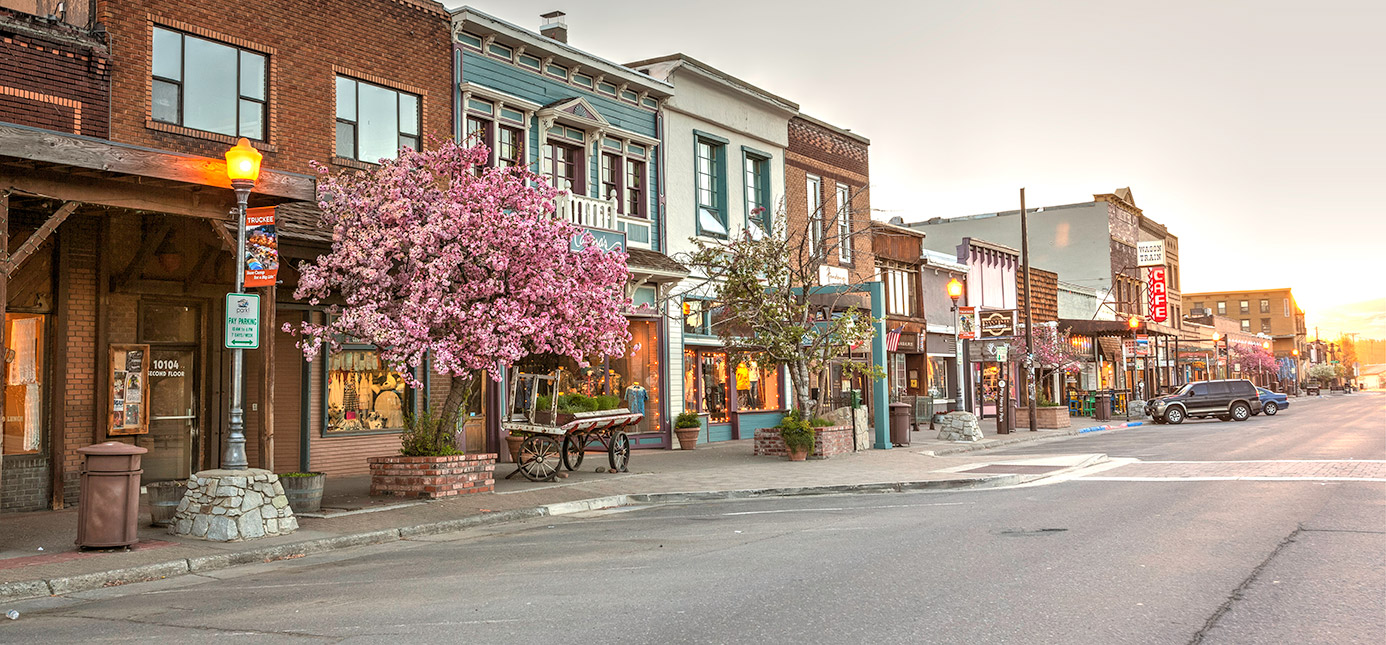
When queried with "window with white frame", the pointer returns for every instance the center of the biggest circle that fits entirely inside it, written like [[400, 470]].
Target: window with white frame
[[374, 122], [815, 212], [206, 85], [497, 127], [902, 290], [844, 223], [563, 159]]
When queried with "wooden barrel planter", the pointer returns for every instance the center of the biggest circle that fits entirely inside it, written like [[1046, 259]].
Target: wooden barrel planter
[[163, 501], [304, 491]]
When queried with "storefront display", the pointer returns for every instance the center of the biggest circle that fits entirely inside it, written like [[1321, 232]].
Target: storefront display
[[717, 388], [129, 377], [24, 345], [363, 395]]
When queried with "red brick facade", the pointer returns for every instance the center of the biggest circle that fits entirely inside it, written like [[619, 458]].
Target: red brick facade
[[404, 44], [826, 442], [433, 477], [54, 77], [836, 158]]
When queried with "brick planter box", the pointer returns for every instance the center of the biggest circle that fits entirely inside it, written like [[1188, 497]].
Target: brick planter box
[[1049, 418], [432, 477], [827, 442]]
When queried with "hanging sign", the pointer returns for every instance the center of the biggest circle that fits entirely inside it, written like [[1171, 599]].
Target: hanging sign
[[1159, 294], [1150, 253], [967, 323], [997, 324], [261, 247], [242, 321], [605, 240], [129, 413]]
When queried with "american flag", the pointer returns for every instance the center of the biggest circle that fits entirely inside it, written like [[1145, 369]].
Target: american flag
[[893, 339]]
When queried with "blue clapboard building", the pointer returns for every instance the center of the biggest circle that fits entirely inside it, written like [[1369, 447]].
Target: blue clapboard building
[[592, 127]]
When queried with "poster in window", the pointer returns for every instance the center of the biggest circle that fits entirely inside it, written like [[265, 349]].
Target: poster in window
[[129, 374]]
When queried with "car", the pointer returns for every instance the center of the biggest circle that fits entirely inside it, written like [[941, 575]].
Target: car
[[1271, 402], [1226, 399], [1312, 387]]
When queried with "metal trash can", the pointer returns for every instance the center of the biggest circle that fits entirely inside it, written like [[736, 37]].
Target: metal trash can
[[110, 495], [900, 414], [1102, 411]]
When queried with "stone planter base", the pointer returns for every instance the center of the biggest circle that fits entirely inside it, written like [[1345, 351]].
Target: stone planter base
[[959, 426], [233, 505], [433, 477], [827, 442], [1048, 418]]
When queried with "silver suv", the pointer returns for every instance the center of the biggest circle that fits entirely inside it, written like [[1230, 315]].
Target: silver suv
[[1227, 399]]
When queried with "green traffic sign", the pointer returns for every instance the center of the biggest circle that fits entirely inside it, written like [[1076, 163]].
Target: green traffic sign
[[242, 321]]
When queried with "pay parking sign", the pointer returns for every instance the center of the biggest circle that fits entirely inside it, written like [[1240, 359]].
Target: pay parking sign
[[242, 321]]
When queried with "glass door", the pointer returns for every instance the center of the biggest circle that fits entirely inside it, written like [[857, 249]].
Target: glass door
[[172, 415]]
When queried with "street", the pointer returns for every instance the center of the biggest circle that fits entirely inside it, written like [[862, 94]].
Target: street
[[1273, 537]]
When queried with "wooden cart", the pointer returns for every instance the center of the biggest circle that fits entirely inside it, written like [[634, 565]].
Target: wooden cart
[[554, 440]]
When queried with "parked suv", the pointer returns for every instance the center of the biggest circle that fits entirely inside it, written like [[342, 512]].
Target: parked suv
[[1226, 399]]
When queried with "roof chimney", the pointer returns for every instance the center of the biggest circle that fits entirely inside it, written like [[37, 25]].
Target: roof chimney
[[555, 26]]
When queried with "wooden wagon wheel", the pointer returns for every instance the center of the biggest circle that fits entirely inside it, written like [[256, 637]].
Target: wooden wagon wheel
[[618, 451], [574, 449], [539, 458]]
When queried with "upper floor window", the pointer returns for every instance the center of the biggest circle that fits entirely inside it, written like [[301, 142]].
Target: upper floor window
[[1265, 326], [1246, 325], [1198, 306], [901, 286], [1245, 307], [564, 168], [844, 223], [635, 188], [1287, 307], [1265, 306], [758, 191], [509, 149], [207, 85], [815, 212], [712, 213], [1222, 309], [374, 122]]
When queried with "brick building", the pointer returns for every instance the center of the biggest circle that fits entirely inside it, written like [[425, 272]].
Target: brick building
[[117, 220], [827, 176]]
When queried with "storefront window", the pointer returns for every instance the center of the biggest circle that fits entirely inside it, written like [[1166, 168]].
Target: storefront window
[[757, 386], [690, 381], [938, 377], [897, 374], [635, 375], [363, 394], [24, 345], [695, 318], [714, 386]]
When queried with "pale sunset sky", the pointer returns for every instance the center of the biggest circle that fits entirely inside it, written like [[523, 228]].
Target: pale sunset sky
[[1252, 129]]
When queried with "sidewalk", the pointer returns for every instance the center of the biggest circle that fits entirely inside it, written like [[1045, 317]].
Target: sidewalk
[[37, 557]]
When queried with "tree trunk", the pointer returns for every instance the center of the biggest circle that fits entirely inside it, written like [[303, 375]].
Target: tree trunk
[[459, 392], [799, 378]]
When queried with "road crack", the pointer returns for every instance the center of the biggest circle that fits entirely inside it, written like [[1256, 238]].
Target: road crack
[[1240, 591]]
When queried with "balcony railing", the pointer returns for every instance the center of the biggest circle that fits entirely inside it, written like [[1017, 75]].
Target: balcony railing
[[587, 211]]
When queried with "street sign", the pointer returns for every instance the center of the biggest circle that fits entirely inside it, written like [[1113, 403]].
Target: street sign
[[1150, 253], [242, 321]]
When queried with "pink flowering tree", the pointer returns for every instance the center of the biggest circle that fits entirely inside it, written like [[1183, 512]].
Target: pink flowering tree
[[1254, 359], [1053, 351], [434, 256]]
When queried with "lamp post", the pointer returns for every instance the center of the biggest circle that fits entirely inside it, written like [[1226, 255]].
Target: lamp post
[[955, 291], [1132, 323], [243, 168], [1294, 353]]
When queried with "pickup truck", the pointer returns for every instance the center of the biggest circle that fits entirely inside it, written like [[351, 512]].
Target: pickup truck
[[1312, 387]]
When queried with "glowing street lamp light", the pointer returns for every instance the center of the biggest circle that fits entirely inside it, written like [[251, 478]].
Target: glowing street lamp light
[[955, 291], [243, 169]]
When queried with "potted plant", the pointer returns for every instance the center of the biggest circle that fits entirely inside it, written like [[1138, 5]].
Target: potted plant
[[687, 427], [798, 436], [304, 491]]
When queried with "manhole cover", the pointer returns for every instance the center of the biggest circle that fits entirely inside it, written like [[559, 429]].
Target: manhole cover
[[1028, 532], [1014, 469]]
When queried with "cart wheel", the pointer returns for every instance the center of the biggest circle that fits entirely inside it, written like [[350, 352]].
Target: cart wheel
[[618, 452], [574, 448], [539, 458]]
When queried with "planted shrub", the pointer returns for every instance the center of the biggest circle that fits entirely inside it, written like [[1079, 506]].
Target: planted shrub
[[687, 419], [607, 402], [424, 436], [796, 432]]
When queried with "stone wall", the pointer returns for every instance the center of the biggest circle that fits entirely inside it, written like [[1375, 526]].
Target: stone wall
[[233, 505], [959, 426], [827, 442], [433, 477]]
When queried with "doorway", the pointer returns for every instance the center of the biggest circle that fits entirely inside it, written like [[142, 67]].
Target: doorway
[[173, 334]]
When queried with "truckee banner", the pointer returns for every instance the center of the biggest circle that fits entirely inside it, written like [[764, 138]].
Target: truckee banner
[[261, 247]]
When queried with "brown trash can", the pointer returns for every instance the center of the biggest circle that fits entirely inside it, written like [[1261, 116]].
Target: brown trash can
[[109, 503], [900, 423], [1102, 411]]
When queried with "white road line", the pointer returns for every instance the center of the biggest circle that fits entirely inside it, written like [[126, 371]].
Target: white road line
[[1235, 479], [843, 508], [1277, 461]]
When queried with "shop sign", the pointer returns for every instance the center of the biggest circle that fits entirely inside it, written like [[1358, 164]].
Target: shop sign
[[967, 323], [1140, 346], [831, 275], [1150, 253], [261, 247], [908, 342], [605, 240], [997, 324], [242, 321], [1159, 294], [992, 351]]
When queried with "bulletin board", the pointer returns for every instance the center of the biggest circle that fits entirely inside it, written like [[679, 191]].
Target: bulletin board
[[129, 411]]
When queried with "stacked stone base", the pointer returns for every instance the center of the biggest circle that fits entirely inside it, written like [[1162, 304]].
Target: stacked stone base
[[433, 477], [827, 442], [959, 426], [233, 505]]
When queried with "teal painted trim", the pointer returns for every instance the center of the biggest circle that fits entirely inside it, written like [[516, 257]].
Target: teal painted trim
[[762, 188], [528, 85], [752, 151], [879, 393], [711, 137], [752, 421]]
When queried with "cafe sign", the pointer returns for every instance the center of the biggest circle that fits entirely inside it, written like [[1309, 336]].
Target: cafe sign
[[997, 324]]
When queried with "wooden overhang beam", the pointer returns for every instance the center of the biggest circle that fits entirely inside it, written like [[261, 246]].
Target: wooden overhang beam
[[30, 245]]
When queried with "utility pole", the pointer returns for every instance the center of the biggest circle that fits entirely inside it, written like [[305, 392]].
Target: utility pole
[[1029, 319]]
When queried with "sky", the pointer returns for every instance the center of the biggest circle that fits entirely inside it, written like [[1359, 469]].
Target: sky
[[1255, 131]]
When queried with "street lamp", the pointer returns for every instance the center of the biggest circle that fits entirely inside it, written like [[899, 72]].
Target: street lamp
[[242, 168], [955, 291]]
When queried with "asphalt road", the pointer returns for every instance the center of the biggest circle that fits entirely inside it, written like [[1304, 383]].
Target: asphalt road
[[1284, 543]]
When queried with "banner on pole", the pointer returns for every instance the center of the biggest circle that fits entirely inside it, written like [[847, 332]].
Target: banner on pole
[[967, 323], [261, 247]]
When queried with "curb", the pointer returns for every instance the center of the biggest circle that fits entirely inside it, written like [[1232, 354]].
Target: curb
[[26, 589], [1003, 443]]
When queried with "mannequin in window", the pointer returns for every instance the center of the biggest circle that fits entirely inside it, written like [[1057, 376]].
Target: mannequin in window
[[636, 396]]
